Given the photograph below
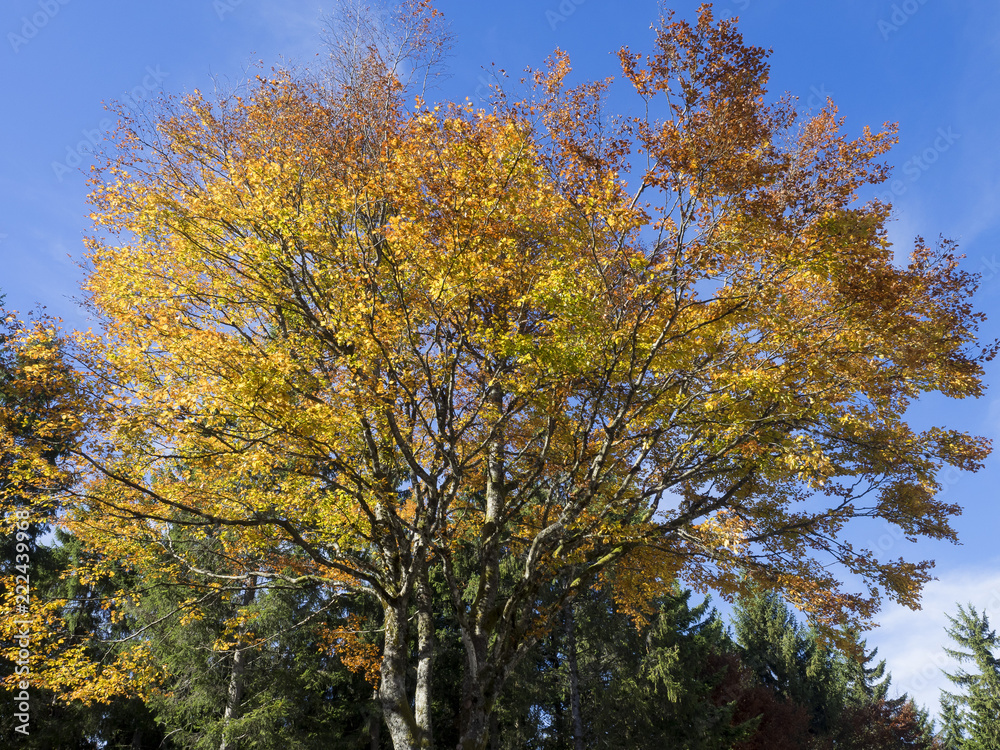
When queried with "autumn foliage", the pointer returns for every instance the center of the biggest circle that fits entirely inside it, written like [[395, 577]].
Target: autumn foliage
[[360, 343]]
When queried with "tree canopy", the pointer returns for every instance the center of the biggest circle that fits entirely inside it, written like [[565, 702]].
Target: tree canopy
[[365, 345]]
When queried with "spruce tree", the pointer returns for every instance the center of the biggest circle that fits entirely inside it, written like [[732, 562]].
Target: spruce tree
[[864, 683], [952, 734], [844, 696], [670, 682], [980, 696], [277, 684], [789, 659]]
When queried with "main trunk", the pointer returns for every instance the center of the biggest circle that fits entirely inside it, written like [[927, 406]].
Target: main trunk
[[474, 716], [476, 694], [234, 694], [574, 677], [406, 731], [425, 659], [237, 678]]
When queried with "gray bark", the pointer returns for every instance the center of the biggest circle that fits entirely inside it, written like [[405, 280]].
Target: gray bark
[[476, 703], [574, 677], [237, 674], [425, 659], [404, 729]]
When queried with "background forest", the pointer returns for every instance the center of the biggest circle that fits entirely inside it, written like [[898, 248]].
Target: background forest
[[683, 680]]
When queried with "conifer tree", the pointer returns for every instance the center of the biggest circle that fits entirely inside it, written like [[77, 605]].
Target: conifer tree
[[865, 684], [845, 698], [952, 734], [658, 687], [978, 644], [264, 686], [788, 658]]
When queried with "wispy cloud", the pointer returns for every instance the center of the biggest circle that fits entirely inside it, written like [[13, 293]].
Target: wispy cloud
[[913, 643], [297, 24]]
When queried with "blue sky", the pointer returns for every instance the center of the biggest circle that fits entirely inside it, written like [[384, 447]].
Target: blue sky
[[931, 65]]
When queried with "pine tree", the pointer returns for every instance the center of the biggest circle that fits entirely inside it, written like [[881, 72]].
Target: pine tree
[[269, 686], [863, 683], [844, 697], [671, 682]]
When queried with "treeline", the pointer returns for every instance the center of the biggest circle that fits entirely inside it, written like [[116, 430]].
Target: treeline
[[603, 678]]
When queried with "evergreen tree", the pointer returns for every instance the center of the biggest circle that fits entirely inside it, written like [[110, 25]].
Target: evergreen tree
[[659, 687], [952, 734], [980, 699], [842, 694], [273, 685], [865, 684], [789, 659], [660, 684], [869, 719]]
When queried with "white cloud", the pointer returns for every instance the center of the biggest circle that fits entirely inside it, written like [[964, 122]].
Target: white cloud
[[902, 231], [912, 643], [297, 24]]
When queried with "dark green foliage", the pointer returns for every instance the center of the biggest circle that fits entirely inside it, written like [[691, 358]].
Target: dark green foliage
[[292, 692], [972, 717], [651, 687], [657, 687], [865, 684], [952, 734], [844, 698], [789, 659]]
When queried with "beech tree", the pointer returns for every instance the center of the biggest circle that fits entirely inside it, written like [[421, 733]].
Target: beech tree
[[512, 347], [37, 425]]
